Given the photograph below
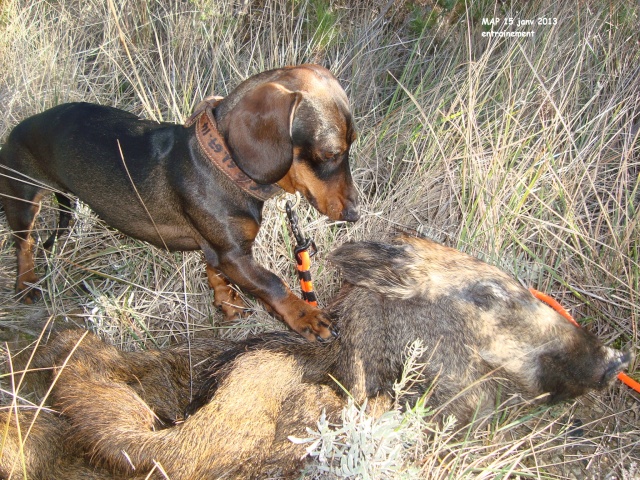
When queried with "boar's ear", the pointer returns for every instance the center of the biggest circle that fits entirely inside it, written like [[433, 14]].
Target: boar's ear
[[383, 268], [486, 293]]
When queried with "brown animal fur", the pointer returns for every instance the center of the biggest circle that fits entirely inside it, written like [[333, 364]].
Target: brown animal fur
[[116, 409], [480, 327]]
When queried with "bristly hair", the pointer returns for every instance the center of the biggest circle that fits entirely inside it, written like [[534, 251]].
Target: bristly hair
[[381, 267], [289, 342], [211, 376]]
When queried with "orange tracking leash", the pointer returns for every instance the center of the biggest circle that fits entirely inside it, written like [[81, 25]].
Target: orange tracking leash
[[305, 249], [623, 377], [303, 264]]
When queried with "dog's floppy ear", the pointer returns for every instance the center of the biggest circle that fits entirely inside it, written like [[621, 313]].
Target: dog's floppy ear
[[259, 132]]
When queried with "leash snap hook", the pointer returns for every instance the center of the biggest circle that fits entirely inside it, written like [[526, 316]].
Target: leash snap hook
[[282, 201], [305, 249]]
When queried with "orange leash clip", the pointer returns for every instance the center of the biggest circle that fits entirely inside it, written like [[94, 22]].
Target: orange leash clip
[[305, 249], [623, 377]]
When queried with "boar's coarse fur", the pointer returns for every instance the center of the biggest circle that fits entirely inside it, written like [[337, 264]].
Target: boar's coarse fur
[[119, 415]]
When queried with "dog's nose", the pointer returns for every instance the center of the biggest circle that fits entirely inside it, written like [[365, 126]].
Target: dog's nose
[[350, 214]]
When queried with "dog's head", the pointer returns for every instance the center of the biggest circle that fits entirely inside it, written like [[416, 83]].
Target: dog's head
[[292, 126]]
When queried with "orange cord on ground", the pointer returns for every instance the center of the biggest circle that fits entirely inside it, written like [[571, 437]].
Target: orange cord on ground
[[623, 377]]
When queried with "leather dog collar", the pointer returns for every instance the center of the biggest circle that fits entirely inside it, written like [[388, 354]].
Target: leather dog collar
[[213, 146]]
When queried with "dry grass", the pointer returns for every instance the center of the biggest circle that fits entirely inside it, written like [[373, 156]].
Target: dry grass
[[524, 152]]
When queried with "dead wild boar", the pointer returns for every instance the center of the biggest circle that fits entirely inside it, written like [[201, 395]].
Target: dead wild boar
[[120, 414], [481, 330], [480, 327]]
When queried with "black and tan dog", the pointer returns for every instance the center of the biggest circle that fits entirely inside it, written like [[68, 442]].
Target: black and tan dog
[[159, 182], [485, 338]]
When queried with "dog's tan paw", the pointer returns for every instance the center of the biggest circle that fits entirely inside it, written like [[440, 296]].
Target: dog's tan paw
[[314, 325]]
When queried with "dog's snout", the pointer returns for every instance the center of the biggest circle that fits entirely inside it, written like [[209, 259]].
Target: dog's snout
[[350, 214]]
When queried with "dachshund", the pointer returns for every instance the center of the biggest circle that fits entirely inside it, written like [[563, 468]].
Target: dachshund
[[285, 129]]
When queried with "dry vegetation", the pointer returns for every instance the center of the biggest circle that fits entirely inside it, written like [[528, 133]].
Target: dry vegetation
[[523, 151]]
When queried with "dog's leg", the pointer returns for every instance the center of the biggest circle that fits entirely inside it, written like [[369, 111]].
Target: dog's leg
[[225, 297], [308, 321], [64, 218], [21, 217]]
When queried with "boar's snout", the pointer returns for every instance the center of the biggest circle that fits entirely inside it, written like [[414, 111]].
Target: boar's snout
[[578, 366], [617, 362]]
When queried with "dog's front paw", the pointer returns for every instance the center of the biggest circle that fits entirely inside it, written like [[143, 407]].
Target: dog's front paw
[[314, 325]]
